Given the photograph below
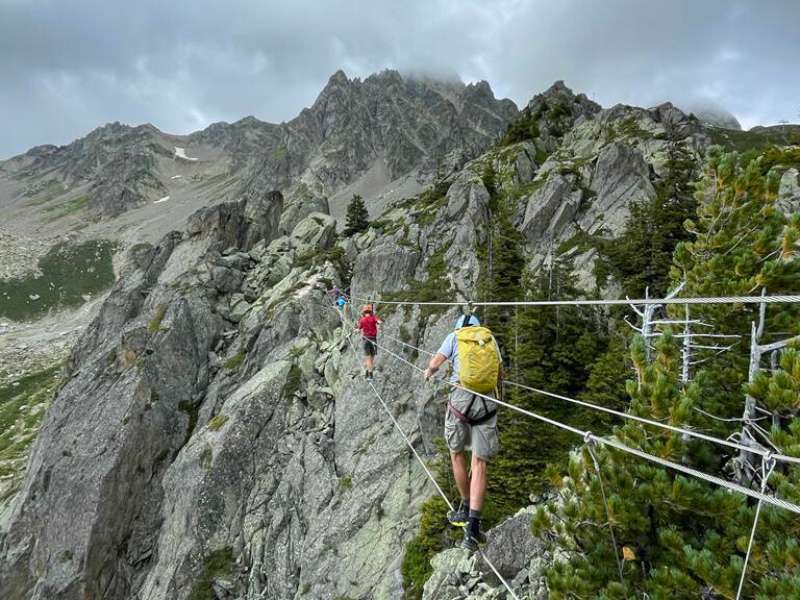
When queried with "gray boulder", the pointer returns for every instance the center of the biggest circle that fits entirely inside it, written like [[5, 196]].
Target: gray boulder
[[317, 231], [299, 208], [789, 191], [550, 208], [621, 177]]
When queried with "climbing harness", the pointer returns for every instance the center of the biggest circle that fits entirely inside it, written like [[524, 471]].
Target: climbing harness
[[464, 416]]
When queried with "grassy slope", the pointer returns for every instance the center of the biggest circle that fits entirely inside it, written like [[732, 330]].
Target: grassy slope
[[23, 402], [69, 271]]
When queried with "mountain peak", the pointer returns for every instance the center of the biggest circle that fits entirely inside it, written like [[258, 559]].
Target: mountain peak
[[338, 78], [560, 93]]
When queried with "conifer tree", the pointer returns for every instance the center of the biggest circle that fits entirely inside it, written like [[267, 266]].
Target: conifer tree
[[357, 216]]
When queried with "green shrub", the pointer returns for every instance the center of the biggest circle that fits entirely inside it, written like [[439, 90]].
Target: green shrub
[[317, 258], [432, 538], [155, 323], [524, 128], [206, 455], [192, 411], [234, 361], [435, 287], [219, 564], [346, 482], [217, 422], [294, 381]]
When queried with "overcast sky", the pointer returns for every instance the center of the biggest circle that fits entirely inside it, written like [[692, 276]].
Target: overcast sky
[[69, 66]]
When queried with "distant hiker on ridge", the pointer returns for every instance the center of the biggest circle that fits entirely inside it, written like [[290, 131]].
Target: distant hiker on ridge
[[470, 420], [340, 302], [368, 324]]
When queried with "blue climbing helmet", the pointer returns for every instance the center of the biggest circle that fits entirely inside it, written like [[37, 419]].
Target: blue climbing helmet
[[466, 321]]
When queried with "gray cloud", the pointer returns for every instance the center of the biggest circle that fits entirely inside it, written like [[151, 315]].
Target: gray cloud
[[67, 67]]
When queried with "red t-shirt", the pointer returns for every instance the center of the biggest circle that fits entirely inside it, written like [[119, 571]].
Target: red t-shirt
[[369, 325]]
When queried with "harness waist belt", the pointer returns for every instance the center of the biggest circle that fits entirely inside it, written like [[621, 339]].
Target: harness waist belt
[[469, 420]]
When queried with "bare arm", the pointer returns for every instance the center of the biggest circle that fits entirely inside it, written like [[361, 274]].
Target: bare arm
[[436, 361]]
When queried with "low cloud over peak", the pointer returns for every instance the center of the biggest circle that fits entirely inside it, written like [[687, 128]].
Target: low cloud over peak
[[68, 66]]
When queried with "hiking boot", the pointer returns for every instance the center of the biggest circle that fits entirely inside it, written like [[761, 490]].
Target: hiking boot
[[473, 542], [458, 517]]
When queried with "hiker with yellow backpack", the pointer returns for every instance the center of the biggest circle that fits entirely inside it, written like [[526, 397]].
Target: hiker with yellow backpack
[[470, 420]]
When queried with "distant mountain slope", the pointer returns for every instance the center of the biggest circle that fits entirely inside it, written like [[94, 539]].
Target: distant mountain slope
[[406, 123]]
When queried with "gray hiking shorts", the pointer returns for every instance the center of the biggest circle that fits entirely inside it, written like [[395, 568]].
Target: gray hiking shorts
[[459, 435]]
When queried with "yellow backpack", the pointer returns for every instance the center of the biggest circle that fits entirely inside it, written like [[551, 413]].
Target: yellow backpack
[[478, 359]]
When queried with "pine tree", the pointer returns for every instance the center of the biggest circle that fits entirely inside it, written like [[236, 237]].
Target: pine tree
[[357, 216], [743, 245]]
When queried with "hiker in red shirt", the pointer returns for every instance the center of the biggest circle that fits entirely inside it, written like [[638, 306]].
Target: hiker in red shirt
[[368, 324]]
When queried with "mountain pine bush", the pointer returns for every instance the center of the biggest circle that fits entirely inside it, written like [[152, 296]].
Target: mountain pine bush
[[678, 537]]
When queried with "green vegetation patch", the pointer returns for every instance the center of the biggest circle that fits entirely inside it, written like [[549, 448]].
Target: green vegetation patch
[[23, 402], [317, 258], [220, 564], [68, 272], [431, 539], [51, 190], [67, 208], [155, 323], [280, 153], [780, 158], [234, 361], [630, 128], [742, 141], [217, 422], [294, 381], [425, 206], [524, 128]]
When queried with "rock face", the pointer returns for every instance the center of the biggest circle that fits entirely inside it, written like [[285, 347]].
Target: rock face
[[518, 556], [129, 402], [209, 434], [789, 191]]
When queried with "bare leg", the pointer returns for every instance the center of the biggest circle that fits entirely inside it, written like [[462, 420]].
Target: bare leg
[[478, 483], [459, 461], [370, 363]]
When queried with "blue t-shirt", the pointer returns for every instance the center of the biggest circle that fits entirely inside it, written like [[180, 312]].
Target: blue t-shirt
[[341, 301], [449, 349]]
